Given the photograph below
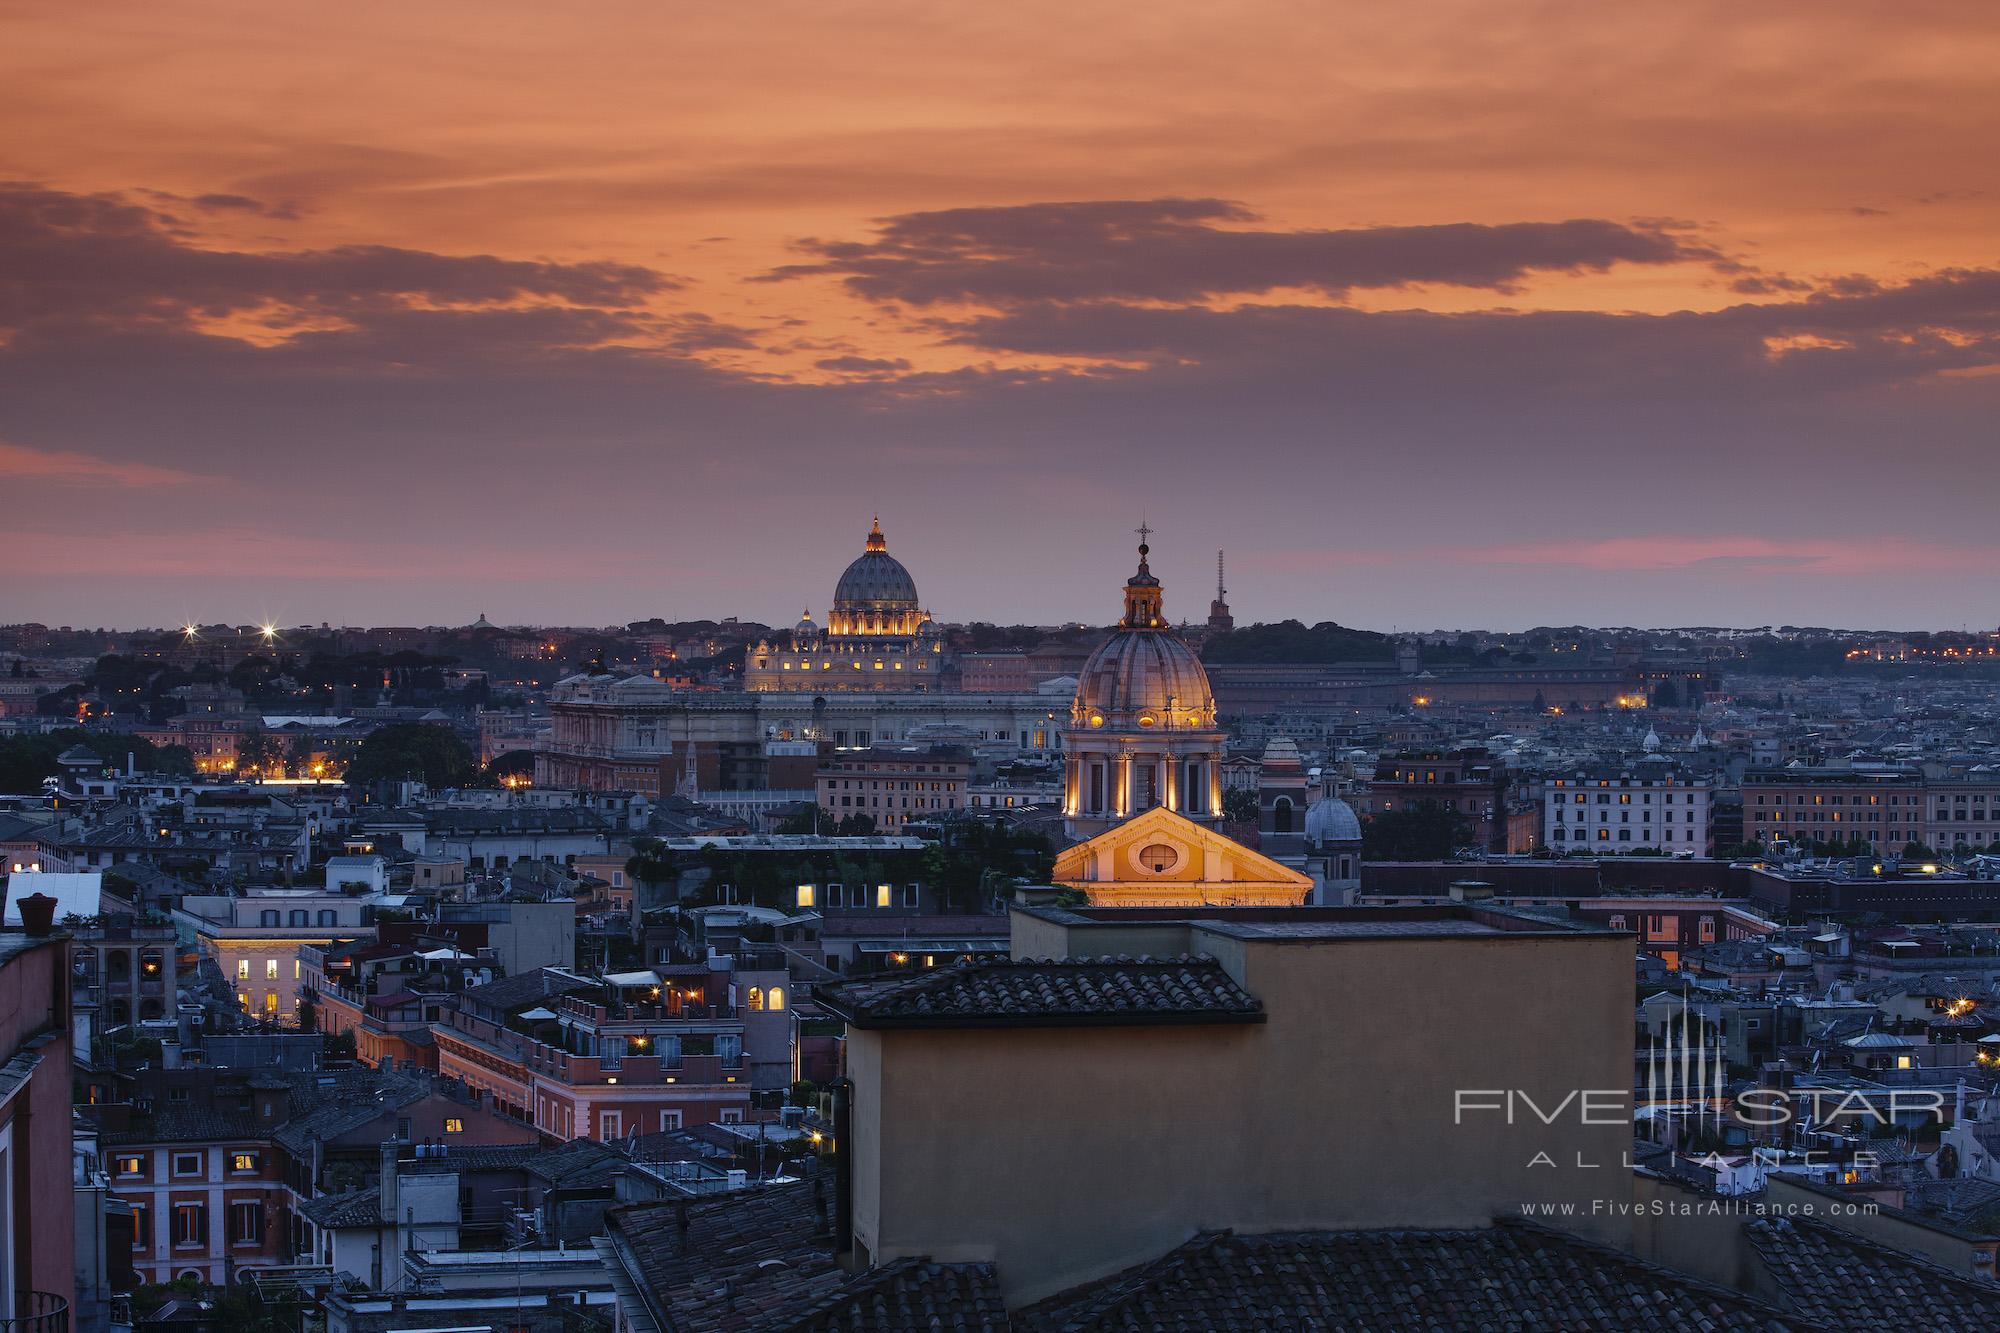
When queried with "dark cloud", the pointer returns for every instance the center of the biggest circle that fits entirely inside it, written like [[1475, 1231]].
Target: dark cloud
[[1769, 284], [1192, 249], [581, 401], [863, 364], [243, 203], [104, 260], [214, 203]]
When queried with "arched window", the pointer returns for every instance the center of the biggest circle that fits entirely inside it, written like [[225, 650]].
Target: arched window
[[1281, 815], [777, 998], [756, 1000]]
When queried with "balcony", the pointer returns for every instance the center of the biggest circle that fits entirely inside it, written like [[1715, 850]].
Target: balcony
[[37, 1312]]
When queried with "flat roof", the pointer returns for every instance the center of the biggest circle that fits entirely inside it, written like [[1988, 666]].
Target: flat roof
[[1431, 920]]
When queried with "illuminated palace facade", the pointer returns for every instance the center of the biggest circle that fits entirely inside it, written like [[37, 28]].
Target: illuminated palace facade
[[1142, 732], [877, 637]]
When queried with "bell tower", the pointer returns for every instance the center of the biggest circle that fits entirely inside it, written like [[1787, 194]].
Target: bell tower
[[1219, 619]]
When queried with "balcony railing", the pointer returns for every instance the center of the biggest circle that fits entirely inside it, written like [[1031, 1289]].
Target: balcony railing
[[37, 1312]]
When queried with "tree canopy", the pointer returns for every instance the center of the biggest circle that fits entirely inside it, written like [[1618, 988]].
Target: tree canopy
[[1425, 832], [1291, 641], [429, 752], [26, 760]]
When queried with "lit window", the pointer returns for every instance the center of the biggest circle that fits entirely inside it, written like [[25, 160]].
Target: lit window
[[454, 1125], [882, 892], [776, 999], [131, 1166], [243, 1161], [243, 969], [756, 999], [805, 895], [270, 969]]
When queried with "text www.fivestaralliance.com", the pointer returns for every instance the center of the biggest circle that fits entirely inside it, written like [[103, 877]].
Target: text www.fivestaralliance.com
[[1699, 1208]]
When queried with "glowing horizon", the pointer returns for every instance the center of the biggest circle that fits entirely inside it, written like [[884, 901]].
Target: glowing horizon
[[1435, 318]]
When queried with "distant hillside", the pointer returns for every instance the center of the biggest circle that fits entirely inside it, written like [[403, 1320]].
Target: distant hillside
[[1290, 641]]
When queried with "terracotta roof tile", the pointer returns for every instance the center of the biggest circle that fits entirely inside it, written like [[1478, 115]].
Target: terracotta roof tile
[[1510, 1278], [1192, 989], [1845, 1282]]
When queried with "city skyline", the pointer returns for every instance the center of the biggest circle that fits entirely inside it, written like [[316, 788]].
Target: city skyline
[[1576, 317]]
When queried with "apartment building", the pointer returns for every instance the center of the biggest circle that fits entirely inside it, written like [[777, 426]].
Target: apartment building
[[190, 1153], [1885, 806], [255, 939], [1611, 809], [588, 1057], [894, 785]]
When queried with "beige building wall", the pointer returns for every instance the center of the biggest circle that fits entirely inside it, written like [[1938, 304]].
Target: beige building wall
[[1065, 1154]]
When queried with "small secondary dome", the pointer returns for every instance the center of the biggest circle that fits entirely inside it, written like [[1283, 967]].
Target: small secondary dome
[[1331, 820]]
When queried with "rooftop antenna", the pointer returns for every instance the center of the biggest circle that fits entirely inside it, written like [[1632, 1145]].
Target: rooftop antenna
[[1221, 593]]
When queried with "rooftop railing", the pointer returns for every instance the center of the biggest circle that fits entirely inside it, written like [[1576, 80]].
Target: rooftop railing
[[38, 1312]]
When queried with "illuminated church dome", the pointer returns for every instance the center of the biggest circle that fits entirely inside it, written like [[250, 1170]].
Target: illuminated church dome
[[1144, 676], [877, 637], [1142, 728], [875, 595]]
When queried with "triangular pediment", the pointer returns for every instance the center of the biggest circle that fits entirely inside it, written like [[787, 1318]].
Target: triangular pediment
[[1163, 856]]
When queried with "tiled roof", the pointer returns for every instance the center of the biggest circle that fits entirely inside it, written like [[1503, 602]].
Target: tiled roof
[[327, 1110], [1510, 1278], [1844, 1282], [516, 992], [911, 1296], [1192, 989], [578, 1164], [186, 1124], [356, 1208], [475, 1157], [756, 1259]]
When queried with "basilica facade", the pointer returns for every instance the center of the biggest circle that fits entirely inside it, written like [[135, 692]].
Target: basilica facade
[[877, 637]]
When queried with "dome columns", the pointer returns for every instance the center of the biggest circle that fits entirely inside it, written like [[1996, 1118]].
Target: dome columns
[[1107, 782]]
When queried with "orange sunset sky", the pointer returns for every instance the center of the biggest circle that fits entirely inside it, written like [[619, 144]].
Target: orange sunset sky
[[1437, 314]]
